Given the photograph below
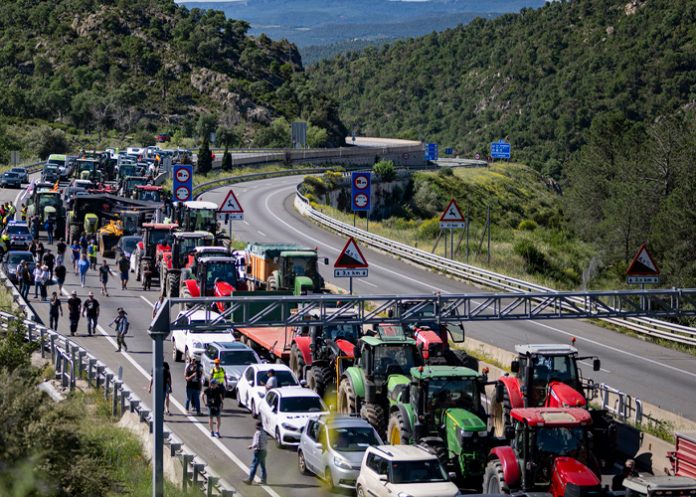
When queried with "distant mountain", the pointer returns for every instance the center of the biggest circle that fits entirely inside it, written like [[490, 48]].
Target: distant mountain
[[323, 22]]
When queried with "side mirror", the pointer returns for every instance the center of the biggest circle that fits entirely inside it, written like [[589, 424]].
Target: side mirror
[[515, 366], [499, 392], [326, 261], [452, 475], [303, 383], [383, 478], [509, 433], [596, 364]]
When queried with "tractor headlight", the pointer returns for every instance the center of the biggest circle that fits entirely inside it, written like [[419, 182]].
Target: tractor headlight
[[482, 433], [467, 434]]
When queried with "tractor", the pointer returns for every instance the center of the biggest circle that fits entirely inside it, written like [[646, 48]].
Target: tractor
[[156, 238], [212, 276], [88, 169], [283, 267], [381, 363], [148, 193], [547, 375], [318, 352], [130, 183], [440, 408], [179, 256], [196, 215], [549, 452], [46, 203]]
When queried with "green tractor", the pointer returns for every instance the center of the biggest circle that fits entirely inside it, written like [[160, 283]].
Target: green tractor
[[440, 408], [382, 363]]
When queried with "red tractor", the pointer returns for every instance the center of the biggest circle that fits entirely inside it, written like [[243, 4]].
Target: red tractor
[[157, 238], [180, 256], [549, 452], [212, 276], [547, 375], [148, 193]]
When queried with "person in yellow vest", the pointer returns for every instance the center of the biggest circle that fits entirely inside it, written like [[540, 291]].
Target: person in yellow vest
[[218, 373]]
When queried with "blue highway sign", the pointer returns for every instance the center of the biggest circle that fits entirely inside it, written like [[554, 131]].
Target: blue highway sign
[[182, 184], [361, 186], [500, 150]]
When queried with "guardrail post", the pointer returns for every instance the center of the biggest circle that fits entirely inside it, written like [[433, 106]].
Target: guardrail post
[[124, 396], [66, 377], [100, 370], [90, 370], [620, 407], [107, 384], [212, 480], [53, 347], [187, 458], [134, 404], [639, 411], [73, 361], [80, 364], [114, 405], [58, 366], [42, 331], [30, 330], [197, 471]]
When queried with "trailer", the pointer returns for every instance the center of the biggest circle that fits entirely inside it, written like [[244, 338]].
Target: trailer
[[277, 266], [684, 456]]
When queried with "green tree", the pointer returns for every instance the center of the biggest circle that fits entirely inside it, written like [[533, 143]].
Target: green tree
[[45, 140], [205, 159], [277, 135], [227, 161], [205, 125], [385, 169]]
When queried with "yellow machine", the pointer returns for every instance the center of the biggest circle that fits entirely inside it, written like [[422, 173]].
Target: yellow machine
[[108, 236]]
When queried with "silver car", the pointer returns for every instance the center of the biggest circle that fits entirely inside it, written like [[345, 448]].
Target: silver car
[[234, 357], [332, 447]]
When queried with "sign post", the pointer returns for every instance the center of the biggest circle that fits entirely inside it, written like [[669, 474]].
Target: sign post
[[500, 150], [229, 210], [182, 184], [361, 193], [351, 263], [451, 219]]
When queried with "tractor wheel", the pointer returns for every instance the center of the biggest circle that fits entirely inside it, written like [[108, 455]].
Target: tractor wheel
[[138, 266], [323, 379], [297, 363], [457, 357], [271, 284], [500, 413], [493, 480], [438, 447], [375, 415], [347, 401], [309, 378], [173, 281], [397, 433]]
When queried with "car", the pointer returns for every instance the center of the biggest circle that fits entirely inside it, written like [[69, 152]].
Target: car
[[19, 235], [251, 387], [12, 259], [234, 358], [403, 471], [23, 174], [126, 245], [332, 447], [188, 341], [284, 412], [10, 179], [50, 173]]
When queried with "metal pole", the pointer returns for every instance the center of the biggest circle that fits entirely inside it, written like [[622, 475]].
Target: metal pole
[[229, 222], [350, 285], [451, 243], [353, 219], [158, 419], [467, 236], [488, 221]]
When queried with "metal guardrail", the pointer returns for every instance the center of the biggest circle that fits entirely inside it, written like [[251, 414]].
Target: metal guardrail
[[647, 326]]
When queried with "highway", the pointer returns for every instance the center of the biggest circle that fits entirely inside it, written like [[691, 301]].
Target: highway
[[655, 374]]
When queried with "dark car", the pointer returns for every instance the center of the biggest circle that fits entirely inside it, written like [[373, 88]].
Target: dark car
[[12, 259], [126, 245], [23, 174], [19, 235], [10, 179]]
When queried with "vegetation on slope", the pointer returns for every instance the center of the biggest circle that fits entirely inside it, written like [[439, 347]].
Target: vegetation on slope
[[538, 78]]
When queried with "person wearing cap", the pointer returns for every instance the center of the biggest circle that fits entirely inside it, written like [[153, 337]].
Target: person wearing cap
[[122, 325], [213, 396], [258, 445], [193, 374], [271, 380], [218, 373], [74, 306], [91, 309], [628, 470]]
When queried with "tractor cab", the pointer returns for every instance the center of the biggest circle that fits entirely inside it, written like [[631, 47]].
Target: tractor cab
[[196, 215], [127, 168], [185, 244], [297, 270], [383, 357], [88, 169], [129, 184], [148, 193], [212, 276], [157, 238]]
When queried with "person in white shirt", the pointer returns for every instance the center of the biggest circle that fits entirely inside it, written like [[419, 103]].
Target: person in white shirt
[[271, 381], [258, 445]]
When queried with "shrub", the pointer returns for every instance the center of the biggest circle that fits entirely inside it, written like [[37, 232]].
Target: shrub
[[527, 225], [205, 159], [385, 169], [46, 141], [428, 229], [445, 172], [535, 260]]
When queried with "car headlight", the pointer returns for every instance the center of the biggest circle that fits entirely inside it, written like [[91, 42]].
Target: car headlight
[[289, 427], [339, 462], [404, 494], [197, 345], [262, 395]]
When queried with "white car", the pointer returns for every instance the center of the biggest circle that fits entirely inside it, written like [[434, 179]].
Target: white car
[[188, 341], [403, 471], [251, 387], [284, 412]]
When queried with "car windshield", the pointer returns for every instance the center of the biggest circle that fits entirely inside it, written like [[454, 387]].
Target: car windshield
[[49, 199], [238, 358], [285, 378], [17, 230], [560, 440], [186, 246], [394, 359], [451, 392], [559, 368], [10, 174], [16, 258], [301, 404], [150, 195], [345, 331], [18, 170], [352, 439], [426, 471]]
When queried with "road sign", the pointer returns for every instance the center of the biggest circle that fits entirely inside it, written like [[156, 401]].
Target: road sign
[[182, 183], [477, 156], [231, 207], [431, 152], [361, 189], [642, 268], [500, 150], [350, 273], [452, 217], [351, 257], [449, 151]]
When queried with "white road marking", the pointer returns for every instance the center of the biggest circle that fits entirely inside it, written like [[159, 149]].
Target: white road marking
[[585, 363], [365, 282], [261, 233], [246, 222]]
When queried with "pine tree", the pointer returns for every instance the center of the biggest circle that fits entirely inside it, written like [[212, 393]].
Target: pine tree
[[227, 161], [205, 159]]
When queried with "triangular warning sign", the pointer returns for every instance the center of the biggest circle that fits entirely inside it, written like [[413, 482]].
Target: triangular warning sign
[[231, 205], [351, 257], [452, 212], [643, 264]]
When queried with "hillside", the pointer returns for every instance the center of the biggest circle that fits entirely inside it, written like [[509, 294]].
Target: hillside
[[539, 77], [147, 64]]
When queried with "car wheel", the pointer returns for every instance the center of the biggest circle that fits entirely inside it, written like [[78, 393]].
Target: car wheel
[[360, 492], [254, 414], [301, 463], [279, 441], [176, 355]]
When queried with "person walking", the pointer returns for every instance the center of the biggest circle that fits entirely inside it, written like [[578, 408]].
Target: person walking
[[193, 375], [92, 254], [167, 385], [44, 282], [50, 261], [218, 373], [147, 276], [74, 306], [50, 227], [24, 277], [59, 272], [213, 396], [75, 251], [38, 273], [90, 309], [40, 251], [122, 325], [157, 306], [55, 309], [258, 445], [104, 272], [61, 247], [83, 266], [123, 269]]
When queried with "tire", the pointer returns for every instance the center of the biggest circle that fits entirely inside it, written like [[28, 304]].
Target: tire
[[375, 415], [173, 282], [500, 415], [187, 295], [457, 357], [279, 441], [493, 480], [297, 362], [347, 402], [176, 354], [323, 379], [252, 408], [439, 448], [301, 463], [397, 434], [239, 401], [359, 491]]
